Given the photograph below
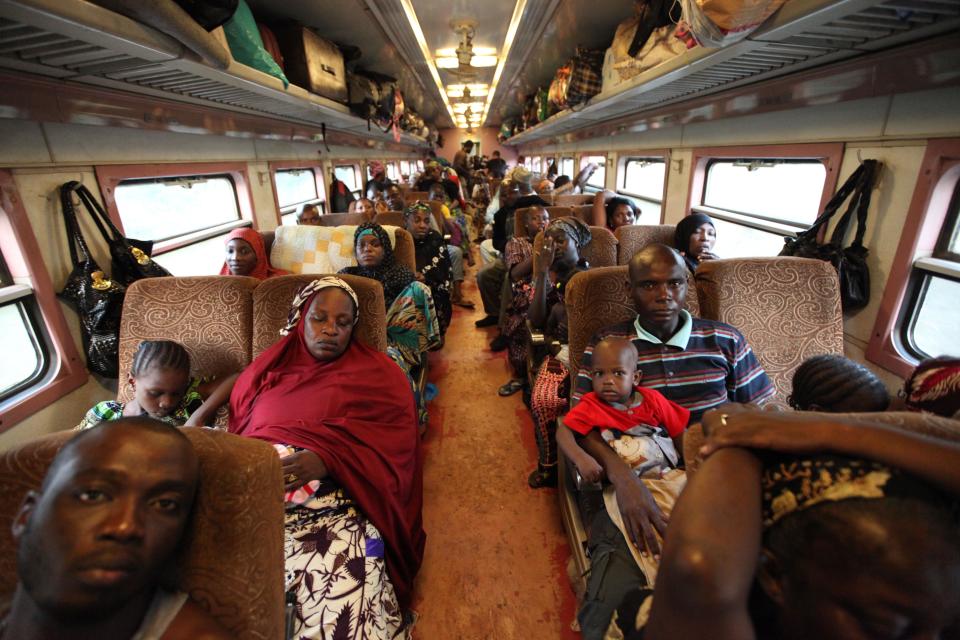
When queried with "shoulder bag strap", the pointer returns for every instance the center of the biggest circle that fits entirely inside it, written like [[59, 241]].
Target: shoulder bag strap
[[859, 204], [78, 246], [834, 204], [109, 230]]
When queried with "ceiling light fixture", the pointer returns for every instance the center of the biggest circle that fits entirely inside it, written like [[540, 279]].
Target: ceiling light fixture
[[475, 90], [425, 50], [504, 52]]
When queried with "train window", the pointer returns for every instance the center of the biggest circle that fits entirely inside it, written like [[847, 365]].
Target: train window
[[566, 168], [756, 202], [392, 171], [295, 188], [349, 175], [404, 169], [935, 285], [535, 164], [419, 165], [597, 181], [643, 179], [21, 337]]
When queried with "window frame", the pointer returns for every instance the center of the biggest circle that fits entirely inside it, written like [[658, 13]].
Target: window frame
[[66, 370], [573, 161], [318, 174], [587, 187], [830, 154], [110, 176], [646, 154], [358, 173], [915, 258]]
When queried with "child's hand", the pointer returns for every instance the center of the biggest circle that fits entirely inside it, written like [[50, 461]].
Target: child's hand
[[589, 469]]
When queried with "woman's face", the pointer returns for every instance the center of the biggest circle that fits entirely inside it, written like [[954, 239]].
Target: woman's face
[[622, 216], [369, 251], [241, 258], [418, 223], [365, 208], [702, 240], [565, 253], [537, 220], [328, 324]]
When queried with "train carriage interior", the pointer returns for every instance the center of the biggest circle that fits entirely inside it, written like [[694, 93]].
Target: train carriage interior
[[416, 245]]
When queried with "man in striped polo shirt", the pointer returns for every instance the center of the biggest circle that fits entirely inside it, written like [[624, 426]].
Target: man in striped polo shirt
[[699, 364]]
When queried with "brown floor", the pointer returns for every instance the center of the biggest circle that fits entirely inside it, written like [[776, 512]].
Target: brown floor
[[496, 556]]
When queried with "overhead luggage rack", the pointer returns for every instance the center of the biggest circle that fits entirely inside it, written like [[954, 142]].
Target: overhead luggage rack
[[81, 42], [801, 35]]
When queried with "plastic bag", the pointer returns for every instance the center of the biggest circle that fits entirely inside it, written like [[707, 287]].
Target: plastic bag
[[247, 48]]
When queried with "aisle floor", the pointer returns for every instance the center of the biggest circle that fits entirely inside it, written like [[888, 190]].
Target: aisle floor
[[495, 565]]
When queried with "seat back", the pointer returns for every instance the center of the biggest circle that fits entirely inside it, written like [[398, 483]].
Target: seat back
[[403, 248], [340, 219], [211, 316], [394, 218], [232, 558], [634, 237], [437, 208], [788, 309], [574, 199], [271, 306], [549, 197], [585, 213], [413, 196], [595, 299], [601, 251], [558, 212]]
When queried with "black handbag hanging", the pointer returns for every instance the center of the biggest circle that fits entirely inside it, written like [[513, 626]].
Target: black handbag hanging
[[850, 262], [97, 299], [130, 258]]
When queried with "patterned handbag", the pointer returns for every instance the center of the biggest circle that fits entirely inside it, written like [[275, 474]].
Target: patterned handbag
[[130, 259], [97, 299], [586, 79]]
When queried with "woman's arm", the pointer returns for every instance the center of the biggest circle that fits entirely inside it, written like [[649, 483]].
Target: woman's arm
[[600, 207], [641, 515], [215, 396], [710, 556], [934, 460], [542, 259]]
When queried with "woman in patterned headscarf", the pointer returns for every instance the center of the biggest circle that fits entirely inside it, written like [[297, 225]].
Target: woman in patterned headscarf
[[412, 324], [557, 259], [835, 530], [934, 387], [351, 461], [433, 262]]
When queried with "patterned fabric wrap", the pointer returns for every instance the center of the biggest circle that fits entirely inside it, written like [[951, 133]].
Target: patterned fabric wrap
[[413, 329], [433, 262], [307, 291], [515, 329], [392, 275], [934, 386], [113, 410], [549, 398], [573, 227]]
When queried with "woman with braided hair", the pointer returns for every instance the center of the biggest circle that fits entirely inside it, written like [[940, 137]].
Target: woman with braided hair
[[836, 384]]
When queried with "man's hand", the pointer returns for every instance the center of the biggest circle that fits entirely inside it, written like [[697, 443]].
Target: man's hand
[[642, 517]]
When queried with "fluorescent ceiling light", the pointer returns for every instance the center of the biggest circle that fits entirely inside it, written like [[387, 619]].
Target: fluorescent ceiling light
[[475, 107], [447, 63], [477, 51], [504, 52], [425, 50], [475, 61], [476, 90]]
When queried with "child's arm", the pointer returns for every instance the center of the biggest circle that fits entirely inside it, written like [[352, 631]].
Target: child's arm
[[216, 393], [590, 470]]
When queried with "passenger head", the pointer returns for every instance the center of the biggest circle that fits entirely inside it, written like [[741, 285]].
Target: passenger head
[[614, 370], [331, 312], [934, 386], [468, 146], [451, 190], [417, 219], [696, 234], [241, 259], [159, 376], [377, 170], [372, 245], [365, 208], [620, 212], [569, 236], [309, 215], [496, 154], [437, 192], [658, 285], [837, 384], [522, 177], [561, 181], [394, 198], [107, 520], [535, 219], [861, 569]]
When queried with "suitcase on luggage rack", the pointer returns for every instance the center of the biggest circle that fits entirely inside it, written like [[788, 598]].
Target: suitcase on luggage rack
[[312, 62]]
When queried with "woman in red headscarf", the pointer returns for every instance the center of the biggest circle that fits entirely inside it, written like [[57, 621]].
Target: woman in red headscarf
[[247, 256], [351, 463]]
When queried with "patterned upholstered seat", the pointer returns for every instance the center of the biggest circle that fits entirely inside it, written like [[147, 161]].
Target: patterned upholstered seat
[[558, 212], [340, 219], [394, 218], [574, 199], [634, 237], [232, 562], [787, 308]]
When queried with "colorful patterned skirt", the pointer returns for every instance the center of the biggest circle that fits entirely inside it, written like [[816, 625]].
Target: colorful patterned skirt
[[412, 330]]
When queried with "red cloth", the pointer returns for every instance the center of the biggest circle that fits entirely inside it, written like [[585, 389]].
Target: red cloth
[[654, 411], [357, 414], [263, 270]]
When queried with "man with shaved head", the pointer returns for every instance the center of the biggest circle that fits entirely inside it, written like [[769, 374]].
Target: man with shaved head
[[698, 364], [94, 541]]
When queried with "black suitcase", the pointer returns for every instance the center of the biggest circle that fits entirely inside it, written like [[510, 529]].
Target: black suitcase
[[312, 62]]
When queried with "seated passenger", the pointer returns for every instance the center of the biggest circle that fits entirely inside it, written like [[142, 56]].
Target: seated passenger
[[309, 215], [412, 324], [562, 185], [163, 390], [247, 256], [94, 542], [614, 211], [836, 384], [863, 544], [379, 183], [394, 198], [638, 425], [433, 263], [699, 364], [342, 416], [365, 207], [934, 387], [519, 261], [556, 261], [694, 238]]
